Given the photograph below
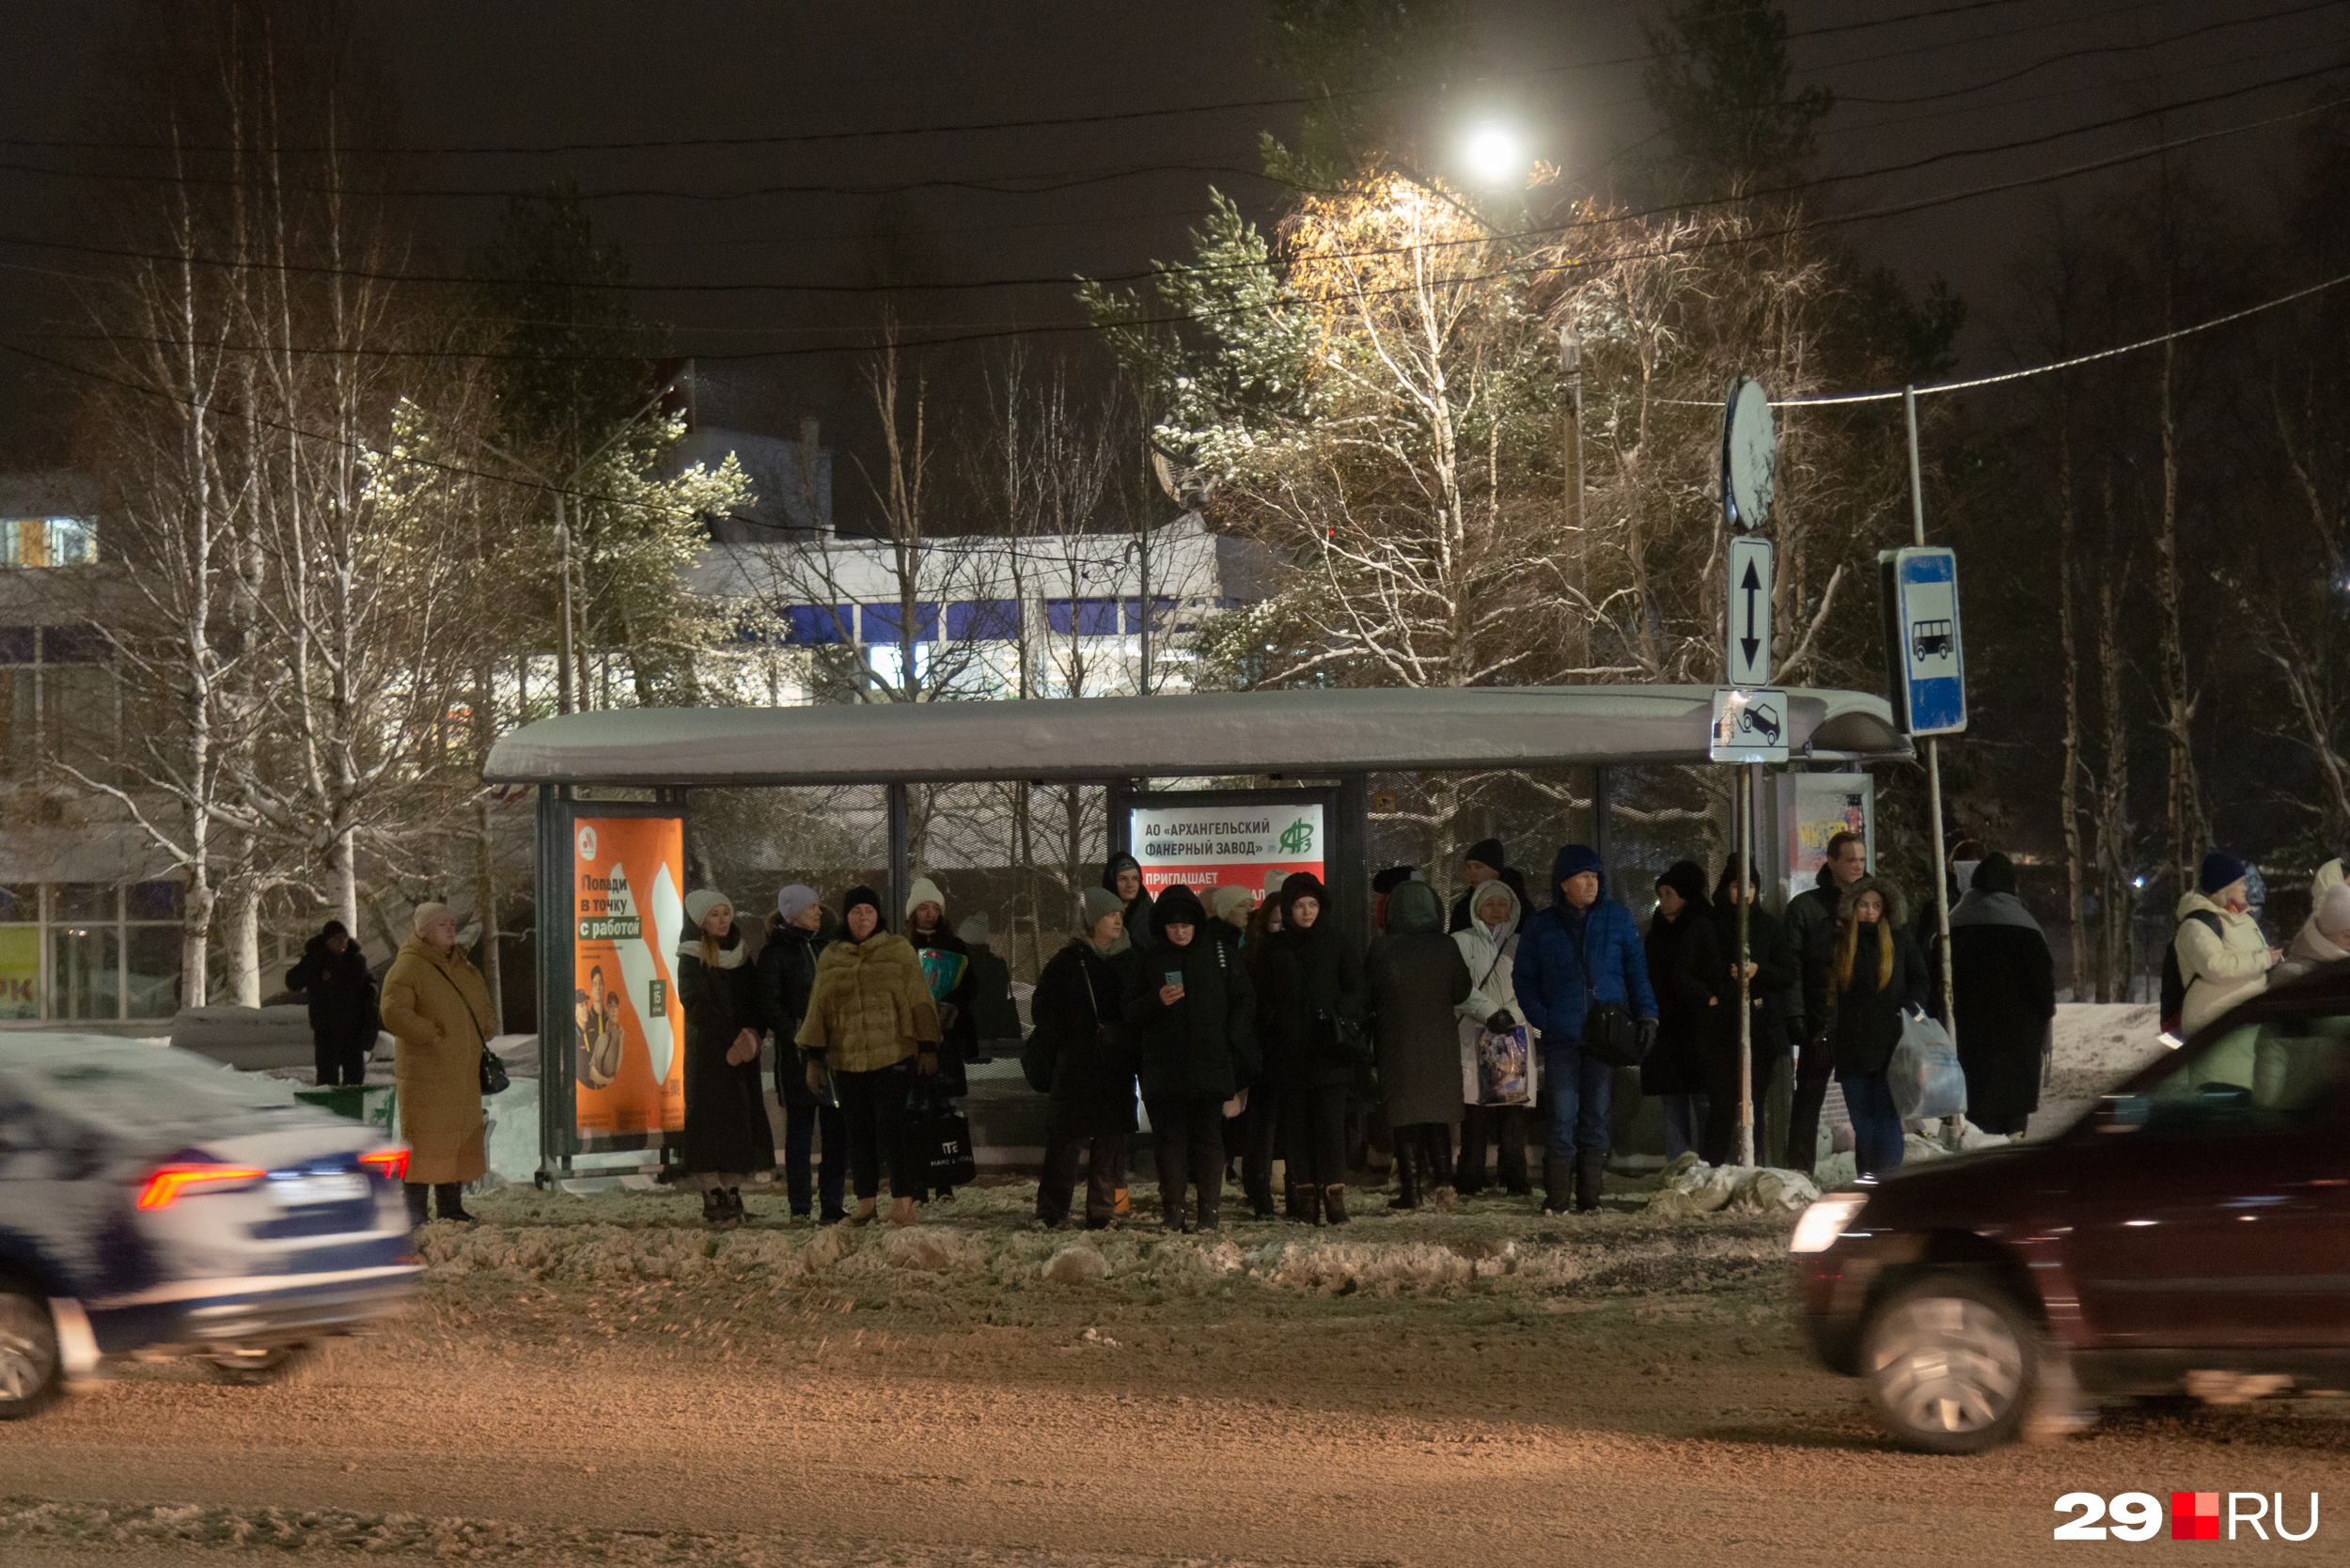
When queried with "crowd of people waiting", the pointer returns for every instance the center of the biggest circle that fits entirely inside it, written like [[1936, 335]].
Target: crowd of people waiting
[[1247, 1027]]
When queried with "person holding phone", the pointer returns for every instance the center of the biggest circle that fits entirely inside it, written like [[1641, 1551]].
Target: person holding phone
[[1193, 1012]]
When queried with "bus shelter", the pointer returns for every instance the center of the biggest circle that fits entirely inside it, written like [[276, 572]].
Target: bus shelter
[[1294, 769]]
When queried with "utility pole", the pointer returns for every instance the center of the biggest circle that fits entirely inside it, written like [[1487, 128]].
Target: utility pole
[[1570, 362], [563, 651], [1934, 743]]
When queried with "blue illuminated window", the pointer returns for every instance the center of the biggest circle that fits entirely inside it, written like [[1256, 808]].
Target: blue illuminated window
[[819, 625], [1084, 617], [881, 622], [984, 620]]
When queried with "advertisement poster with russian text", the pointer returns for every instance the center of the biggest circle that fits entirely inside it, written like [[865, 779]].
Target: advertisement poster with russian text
[[628, 1028], [1233, 846]]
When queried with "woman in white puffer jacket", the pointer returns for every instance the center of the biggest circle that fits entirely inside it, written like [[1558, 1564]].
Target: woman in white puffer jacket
[[1489, 945]]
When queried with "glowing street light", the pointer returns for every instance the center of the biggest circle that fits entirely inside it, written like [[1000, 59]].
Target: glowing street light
[[1494, 157]]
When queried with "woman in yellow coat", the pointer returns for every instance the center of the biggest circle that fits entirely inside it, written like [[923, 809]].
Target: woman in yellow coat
[[437, 1007]]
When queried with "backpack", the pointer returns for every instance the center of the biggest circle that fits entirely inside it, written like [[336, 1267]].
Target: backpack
[[2173, 981]]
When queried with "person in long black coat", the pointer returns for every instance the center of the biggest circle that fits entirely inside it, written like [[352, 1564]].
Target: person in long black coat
[[728, 1136], [1310, 1019], [1707, 978], [797, 932], [2003, 990], [1081, 1053], [1415, 977], [1878, 974], [1671, 1070], [1193, 1011], [333, 977]]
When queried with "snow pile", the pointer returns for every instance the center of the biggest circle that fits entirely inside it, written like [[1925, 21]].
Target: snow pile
[[1693, 1187], [1379, 1267], [611, 1253], [1186, 1263], [1076, 1264], [933, 1249]]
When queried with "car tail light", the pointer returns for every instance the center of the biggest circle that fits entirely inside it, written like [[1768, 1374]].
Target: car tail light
[[162, 1190], [390, 1164]]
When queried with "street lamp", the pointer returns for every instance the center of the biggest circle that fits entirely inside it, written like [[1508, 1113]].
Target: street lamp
[[1494, 157]]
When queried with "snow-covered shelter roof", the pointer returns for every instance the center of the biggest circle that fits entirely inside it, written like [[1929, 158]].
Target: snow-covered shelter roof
[[1313, 733]]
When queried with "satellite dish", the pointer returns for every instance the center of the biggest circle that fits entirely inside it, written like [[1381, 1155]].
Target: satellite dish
[[1750, 454]]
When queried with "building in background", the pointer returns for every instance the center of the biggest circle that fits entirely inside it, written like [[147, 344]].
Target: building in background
[[90, 911]]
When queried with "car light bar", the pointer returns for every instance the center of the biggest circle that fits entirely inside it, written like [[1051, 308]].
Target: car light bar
[[390, 1164], [162, 1190], [1825, 1220]]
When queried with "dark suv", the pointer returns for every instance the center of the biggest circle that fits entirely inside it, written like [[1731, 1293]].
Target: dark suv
[[2190, 1233]]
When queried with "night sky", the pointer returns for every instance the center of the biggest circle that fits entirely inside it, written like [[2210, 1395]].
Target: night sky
[[1103, 198]]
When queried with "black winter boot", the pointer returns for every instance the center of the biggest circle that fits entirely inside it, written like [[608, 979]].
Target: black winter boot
[[1304, 1203], [1261, 1198], [714, 1206], [1334, 1202], [1556, 1176], [416, 1193], [1439, 1175], [1591, 1169], [448, 1200], [1407, 1183]]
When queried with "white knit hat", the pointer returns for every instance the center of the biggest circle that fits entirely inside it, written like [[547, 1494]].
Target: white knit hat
[[428, 913], [925, 891], [701, 902]]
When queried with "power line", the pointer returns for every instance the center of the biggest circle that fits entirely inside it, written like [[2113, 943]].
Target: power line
[[1024, 123], [2047, 61], [1792, 188], [1519, 270]]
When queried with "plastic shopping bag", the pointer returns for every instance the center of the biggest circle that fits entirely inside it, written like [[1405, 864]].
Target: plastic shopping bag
[[1924, 1074]]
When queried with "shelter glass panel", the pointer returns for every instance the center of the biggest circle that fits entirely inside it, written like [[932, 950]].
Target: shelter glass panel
[[151, 970], [86, 963]]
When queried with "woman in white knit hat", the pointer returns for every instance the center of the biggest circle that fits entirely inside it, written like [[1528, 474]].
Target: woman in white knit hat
[[728, 1135], [928, 930]]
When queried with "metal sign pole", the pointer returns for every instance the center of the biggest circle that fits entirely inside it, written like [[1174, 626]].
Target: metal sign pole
[[1934, 744], [1742, 792]]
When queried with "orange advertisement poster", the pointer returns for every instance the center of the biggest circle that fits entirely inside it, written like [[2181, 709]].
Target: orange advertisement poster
[[628, 1027]]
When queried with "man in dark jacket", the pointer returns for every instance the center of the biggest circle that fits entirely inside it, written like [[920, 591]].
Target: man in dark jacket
[[1707, 978], [1193, 1010], [796, 933], [2003, 989], [1582, 952], [1081, 1054], [333, 976], [1811, 920], [1122, 876], [1482, 864]]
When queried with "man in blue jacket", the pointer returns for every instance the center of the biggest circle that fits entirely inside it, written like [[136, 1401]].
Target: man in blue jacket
[[1581, 951]]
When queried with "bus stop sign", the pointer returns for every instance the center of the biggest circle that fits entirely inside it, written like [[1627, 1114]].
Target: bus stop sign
[[1923, 654]]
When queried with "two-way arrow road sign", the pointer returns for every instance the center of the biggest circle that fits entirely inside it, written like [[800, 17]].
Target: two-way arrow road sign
[[1749, 640]]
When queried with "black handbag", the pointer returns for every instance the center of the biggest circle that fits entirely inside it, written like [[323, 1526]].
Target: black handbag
[[943, 1143], [1611, 1033], [493, 1075]]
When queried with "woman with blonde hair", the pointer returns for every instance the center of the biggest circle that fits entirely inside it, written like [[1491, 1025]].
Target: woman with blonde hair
[[1878, 975], [728, 1135]]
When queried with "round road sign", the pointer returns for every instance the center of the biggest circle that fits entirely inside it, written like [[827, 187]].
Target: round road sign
[[1750, 454]]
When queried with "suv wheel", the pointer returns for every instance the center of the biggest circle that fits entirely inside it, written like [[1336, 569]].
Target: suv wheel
[[1952, 1364], [31, 1371]]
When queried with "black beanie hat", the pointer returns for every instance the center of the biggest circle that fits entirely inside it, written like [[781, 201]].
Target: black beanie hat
[[1300, 885], [1178, 906], [1995, 874], [1487, 851], [858, 895], [1390, 879], [1687, 878]]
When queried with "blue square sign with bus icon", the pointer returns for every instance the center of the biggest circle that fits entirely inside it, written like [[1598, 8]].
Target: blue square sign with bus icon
[[1923, 646]]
